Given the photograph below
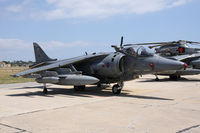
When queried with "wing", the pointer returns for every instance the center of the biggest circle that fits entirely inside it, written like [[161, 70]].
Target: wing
[[58, 64], [185, 57], [180, 57]]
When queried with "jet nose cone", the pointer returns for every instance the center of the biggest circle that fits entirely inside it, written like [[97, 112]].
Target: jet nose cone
[[169, 64], [177, 65]]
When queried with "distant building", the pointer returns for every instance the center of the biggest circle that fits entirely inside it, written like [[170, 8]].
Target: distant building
[[3, 64]]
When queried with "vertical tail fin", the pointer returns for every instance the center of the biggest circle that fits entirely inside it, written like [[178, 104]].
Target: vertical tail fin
[[40, 55]]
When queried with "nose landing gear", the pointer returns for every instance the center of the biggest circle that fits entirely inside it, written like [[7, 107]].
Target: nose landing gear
[[116, 89]]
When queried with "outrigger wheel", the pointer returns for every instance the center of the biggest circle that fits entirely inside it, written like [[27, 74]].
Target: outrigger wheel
[[45, 91]]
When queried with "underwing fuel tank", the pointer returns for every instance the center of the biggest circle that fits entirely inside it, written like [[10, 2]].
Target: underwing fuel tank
[[52, 80], [77, 80], [74, 79]]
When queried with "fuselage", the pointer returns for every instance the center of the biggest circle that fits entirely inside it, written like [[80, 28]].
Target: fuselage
[[116, 66]]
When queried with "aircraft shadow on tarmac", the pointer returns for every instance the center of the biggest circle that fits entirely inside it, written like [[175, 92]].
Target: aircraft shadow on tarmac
[[88, 92], [29, 87], [182, 79]]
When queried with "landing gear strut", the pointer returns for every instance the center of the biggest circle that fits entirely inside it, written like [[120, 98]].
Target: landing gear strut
[[102, 86], [45, 91], [157, 79], [116, 89]]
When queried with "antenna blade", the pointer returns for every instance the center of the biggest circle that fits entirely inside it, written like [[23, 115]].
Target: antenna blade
[[122, 39]]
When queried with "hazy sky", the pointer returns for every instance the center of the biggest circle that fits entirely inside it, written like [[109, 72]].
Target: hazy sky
[[67, 28]]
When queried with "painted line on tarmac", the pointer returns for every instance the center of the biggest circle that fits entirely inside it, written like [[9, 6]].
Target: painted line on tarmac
[[16, 128], [189, 128]]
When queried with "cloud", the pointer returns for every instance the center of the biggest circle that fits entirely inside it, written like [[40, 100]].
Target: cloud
[[105, 8], [18, 49], [64, 9], [16, 8], [19, 44], [179, 3], [13, 44]]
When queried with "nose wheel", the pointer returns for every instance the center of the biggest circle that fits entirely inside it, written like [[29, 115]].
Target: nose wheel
[[116, 89]]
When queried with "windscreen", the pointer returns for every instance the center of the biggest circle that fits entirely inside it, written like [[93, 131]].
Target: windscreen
[[142, 52], [138, 51]]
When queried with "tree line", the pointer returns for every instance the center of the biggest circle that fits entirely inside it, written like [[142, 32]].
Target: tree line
[[19, 63]]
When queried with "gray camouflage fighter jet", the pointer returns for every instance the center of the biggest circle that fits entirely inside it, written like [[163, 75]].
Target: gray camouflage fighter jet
[[178, 50], [98, 68]]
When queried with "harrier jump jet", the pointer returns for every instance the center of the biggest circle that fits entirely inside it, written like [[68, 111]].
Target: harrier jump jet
[[124, 64]]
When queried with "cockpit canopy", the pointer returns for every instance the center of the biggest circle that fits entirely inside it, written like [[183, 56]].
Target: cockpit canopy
[[139, 52]]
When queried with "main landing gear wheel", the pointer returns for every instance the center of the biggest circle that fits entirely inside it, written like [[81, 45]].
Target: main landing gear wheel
[[99, 85], [79, 88], [45, 91], [174, 77]]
